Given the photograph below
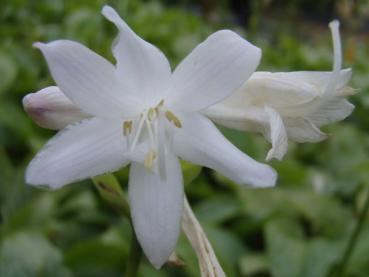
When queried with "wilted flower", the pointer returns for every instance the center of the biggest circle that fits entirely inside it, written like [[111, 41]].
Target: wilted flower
[[143, 114], [289, 105]]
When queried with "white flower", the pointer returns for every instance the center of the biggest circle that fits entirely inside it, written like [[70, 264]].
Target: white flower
[[289, 105], [144, 114]]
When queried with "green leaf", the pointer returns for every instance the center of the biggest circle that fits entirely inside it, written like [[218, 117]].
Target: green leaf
[[285, 248], [253, 265], [30, 254], [320, 257], [217, 208], [227, 247], [8, 71]]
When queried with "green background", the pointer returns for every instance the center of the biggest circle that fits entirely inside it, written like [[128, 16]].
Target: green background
[[299, 228]]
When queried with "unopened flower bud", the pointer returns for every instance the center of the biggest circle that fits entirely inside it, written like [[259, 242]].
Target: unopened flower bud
[[51, 109]]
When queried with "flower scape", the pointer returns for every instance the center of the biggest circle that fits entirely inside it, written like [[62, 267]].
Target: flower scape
[[140, 112]]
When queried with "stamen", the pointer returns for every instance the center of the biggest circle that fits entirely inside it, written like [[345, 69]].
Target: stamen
[[127, 128], [158, 106], [150, 132], [149, 159], [138, 131], [151, 114], [161, 151], [161, 103], [172, 118]]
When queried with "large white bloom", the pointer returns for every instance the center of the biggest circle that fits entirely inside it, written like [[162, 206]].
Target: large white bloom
[[289, 105], [142, 113]]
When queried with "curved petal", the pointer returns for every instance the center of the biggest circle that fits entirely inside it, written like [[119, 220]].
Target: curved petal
[[332, 111], [212, 71], [273, 89], [82, 150], [88, 80], [200, 142], [318, 78], [156, 208], [277, 135], [248, 118], [303, 130], [51, 109], [141, 65]]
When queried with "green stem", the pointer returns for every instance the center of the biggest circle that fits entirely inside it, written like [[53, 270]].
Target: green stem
[[110, 190], [353, 239], [134, 257]]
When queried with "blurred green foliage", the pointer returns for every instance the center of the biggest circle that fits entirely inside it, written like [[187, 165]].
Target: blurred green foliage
[[299, 228]]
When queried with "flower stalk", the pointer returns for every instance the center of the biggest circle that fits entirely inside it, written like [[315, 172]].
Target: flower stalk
[[208, 262], [353, 239], [134, 258]]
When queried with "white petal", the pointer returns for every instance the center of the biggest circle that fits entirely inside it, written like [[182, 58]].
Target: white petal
[[88, 79], [332, 111], [303, 130], [212, 71], [273, 89], [80, 151], [200, 142], [318, 78], [248, 118], [141, 66], [156, 208], [277, 135], [51, 109], [266, 121]]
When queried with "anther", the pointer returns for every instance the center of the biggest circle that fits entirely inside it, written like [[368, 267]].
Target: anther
[[127, 128], [149, 159], [151, 113], [161, 103], [172, 118]]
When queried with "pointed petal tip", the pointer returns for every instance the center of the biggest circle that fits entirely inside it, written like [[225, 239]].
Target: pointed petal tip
[[111, 14], [107, 10], [26, 101], [156, 263], [32, 178], [271, 178], [267, 177], [272, 155], [38, 45]]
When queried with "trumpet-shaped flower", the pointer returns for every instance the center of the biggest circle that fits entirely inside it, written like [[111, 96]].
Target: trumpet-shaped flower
[[289, 105], [139, 112]]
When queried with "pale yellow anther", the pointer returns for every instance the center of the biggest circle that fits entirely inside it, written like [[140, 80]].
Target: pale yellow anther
[[172, 118], [127, 128], [161, 103], [151, 113], [149, 159]]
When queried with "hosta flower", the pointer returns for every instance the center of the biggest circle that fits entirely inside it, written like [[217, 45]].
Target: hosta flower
[[289, 105], [143, 114]]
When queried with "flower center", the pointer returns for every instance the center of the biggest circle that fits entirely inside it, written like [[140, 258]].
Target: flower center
[[151, 127]]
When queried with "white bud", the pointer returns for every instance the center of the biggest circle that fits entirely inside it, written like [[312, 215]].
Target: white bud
[[51, 109]]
